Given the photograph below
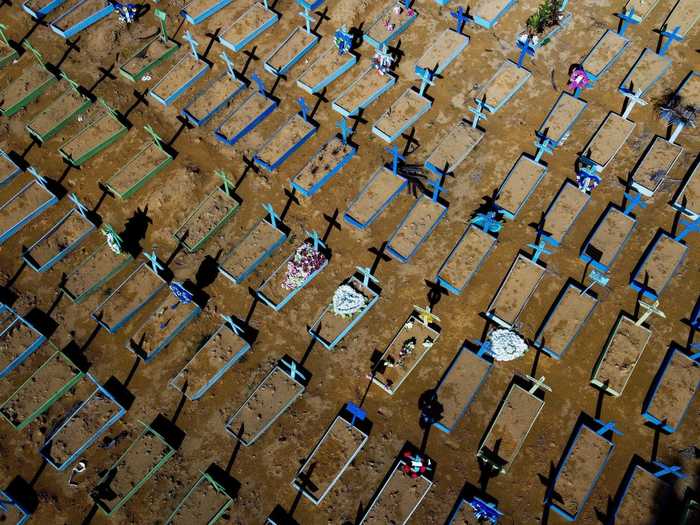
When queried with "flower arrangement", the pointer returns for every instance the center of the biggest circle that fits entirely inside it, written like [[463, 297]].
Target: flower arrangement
[[673, 109], [548, 14], [347, 301], [579, 79], [506, 345], [306, 261]]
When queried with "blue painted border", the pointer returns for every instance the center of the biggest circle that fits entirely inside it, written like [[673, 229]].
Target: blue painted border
[[7, 500], [638, 285], [457, 290], [184, 87], [148, 357], [391, 80], [377, 44], [52, 199], [4, 309], [285, 155], [84, 24], [567, 182], [247, 39], [595, 77], [286, 67], [6, 178], [450, 58], [427, 104], [250, 127], [335, 169], [203, 93], [331, 77], [194, 20], [396, 255], [512, 214], [583, 255], [347, 216], [39, 14]]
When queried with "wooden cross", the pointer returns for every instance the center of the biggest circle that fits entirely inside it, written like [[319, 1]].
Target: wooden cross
[[344, 129], [394, 150], [224, 180], [649, 309], [162, 16], [426, 315], [664, 470], [626, 18], [525, 49], [537, 384], [229, 65], [156, 138], [316, 240], [690, 227], [82, 209], [274, 218], [293, 369], [304, 108], [153, 258], [605, 427], [632, 100], [366, 275], [234, 325], [193, 44], [478, 113], [672, 36], [259, 83], [632, 202], [460, 17]]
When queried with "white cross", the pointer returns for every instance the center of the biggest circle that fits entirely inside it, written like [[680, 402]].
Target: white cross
[[649, 309], [537, 384]]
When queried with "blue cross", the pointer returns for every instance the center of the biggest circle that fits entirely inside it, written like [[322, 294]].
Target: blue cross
[[366, 275], [690, 227], [304, 108], [193, 44], [484, 511], [355, 412], [437, 187], [39, 178], [229, 65], [82, 209], [627, 18], [587, 179], [545, 145], [664, 469], [182, 294], [344, 129], [293, 369], [153, 258], [607, 426], [484, 347], [695, 317], [426, 75], [234, 325], [394, 150], [274, 218], [260, 83], [460, 17], [672, 36], [317, 242], [478, 113], [633, 201], [307, 17], [487, 222], [541, 247], [525, 49], [695, 356], [343, 40]]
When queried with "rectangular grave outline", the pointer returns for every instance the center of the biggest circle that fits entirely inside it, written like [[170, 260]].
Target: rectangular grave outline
[[8, 177], [517, 87], [89, 154], [665, 27], [584, 156], [622, 89], [198, 19], [647, 192], [83, 24], [541, 131], [347, 217], [567, 183], [251, 125], [636, 465], [512, 214], [279, 161], [40, 339], [330, 78], [489, 23], [543, 41], [77, 299], [39, 14], [449, 286], [321, 183], [395, 33], [202, 92], [4, 236], [391, 80], [174, 46], [6, 498], [427, 104], [595, 77], [442, 66], [11, 54], [143, 180], [58, 126], [205, 477], [247, 39], [404, 259], [677, 203], [610, 208], [293, 61], [204, 69], [637, 17], [32, 95], [438, 170], [637, 285]]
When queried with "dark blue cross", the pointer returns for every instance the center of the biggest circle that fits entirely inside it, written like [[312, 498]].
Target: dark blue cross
[[672, 36], [525, 49], [604, 427], [304, 108], [343, 40], [179, 291], [356, 412], [484, 511], [484, 347], [437, 187], [396, 157], [259, 82], [627, 18], [664, 470], [344, 129], [690, 227], [460, 17]]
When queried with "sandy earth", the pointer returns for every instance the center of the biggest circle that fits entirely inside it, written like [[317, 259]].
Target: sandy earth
[[266, 469]]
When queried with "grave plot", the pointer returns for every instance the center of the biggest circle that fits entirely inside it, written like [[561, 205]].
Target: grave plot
[[363, 91], [403, 113], [645, 72], [487, 13], [81, 427], [8, 53], [657, 162], [8, 169], [186, 71], [327, 68], [142, 167], [252, 23], [583, 462], [18, 340], [11, 511], [515, 417], [290, 51], [34, 80], [607, 141], [206, 502], [57, 115], [81, 15], [393, 21], [640, 8], [515, 291], [604, 54], [223, 349], [502, 86], [333, 453], [171, 317], [465, 259], [415, 228], [213, 98], [687, 199], [197, 11], [459, 386], [404, 353], [660, 262], [520, 183], [607, 238], [382, 188], [682, 19], [446, 47], [35, 396], [560, 119], [101, 133], [327, 161], [144, 457], [564, 320], [294, 273], [672, 390], [350, 302], [643, 498], [386, 506], [620, 356], [257, 246], [689, 89], [252, 110], [454, 147], [278, 391], [147, 57], [566, 207], [284, 141], [29, 202], [135, 292]]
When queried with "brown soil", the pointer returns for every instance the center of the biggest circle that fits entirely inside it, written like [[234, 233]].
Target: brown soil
[[611, 236], [156, 49], [571, 311], [382, 187], [14, 340], [621, 355], [83, 424], [515, 418], [181, 73], [488, 9], [86, 8], [469, 253], [208, 215], [94, 268], [662, 262], [502, 83], [330, 325], [423, 216], [198, 7], [578, 474], [441, 49], [399, 497], [251, 108], [94, 135], [641, 7], [367, 84], [251, 248], [522, 279], [609, 138], [160, 324], [213, 96], [608, 46], [521, 181], [691, 92], [208, 360], [284, 139], [646, 71], [324, 161], [32, 196], [460, 385], [379, 31], [454, 147], [565, 210], [676, 389], [395, 368], [684, 16], [563, 113], [60, 109], [691, 192], [645, 501], [68, 232], [265, 404], [321, 68], [248, 22], [139, 286], [333, 453], [298, 40], [656, 164], [201, 506], [11, 515], [144, 162], [6, 167], [31, 78], [401, 112]]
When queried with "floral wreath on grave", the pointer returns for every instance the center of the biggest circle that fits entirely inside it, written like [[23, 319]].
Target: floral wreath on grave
[[506, 345], [347, 301], [549, 13], [579, 79], [415, 464], [306, 261], [113, 240]]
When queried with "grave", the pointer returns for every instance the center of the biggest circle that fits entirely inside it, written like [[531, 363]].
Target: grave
[[607, 141], [444, 49], [560, 119], [8, 53], [643, 495], [154, 52], [487, 13], [393, 21], [363, 91], [327, 68], [645, 72], [381, 189], [18, 339], [8, 169], [661, 260], [466, 258], [30, 201], [326, 162], [608, 238], [508, 79], [473, 510], [38, 9], [604, 55], [293, 48], [189, 68], [687, 199], [81, 15], [205, 502], [285, 140], [245, 117], [680, 22], [34, 80], [640, 9], [658, 160], [403, 113], [252, 23], [567, 206], [453, 148], [197, 11], [520, 183], [535, 36]]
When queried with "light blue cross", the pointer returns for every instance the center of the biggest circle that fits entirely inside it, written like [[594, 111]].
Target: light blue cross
[[317, 242], [82, 209], [274, 218], [478, 113], [366, 274], [437, 187], [627, 18], [233, 324], [229, 65], [545, 145], [460, 17], [293, 369], [344, 129], [394, 150], [39, 178], [596, 276], [609, 426], [426, 75], [541, 247], [487, 222], [632, 100], [671, 36], [307, 17], [304, 108], [260, 83], [664, 470], [193, 44], [690, 227], [153, 258], [633, 200]]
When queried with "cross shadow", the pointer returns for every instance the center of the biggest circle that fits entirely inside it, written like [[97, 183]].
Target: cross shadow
[[208, 270], [135, 230], [236, 449], [104, 75], [141, 98], [332, 224], [305, 479], [70, 46], [379, 257], [38, 473], [90, 338], [251, 56], [320, 97], [435, 293], [212, 38], [180, 405], [307, 352], [132, 372], [357, 119], [29, 33], [184, 124], [410, 141], [253, 305], [398, 54], [322, 16], [599, 403], [291, 199]]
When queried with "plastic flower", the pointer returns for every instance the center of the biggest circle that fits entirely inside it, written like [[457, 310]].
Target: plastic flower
[[506, 345], [579, 79], [306, 261]]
